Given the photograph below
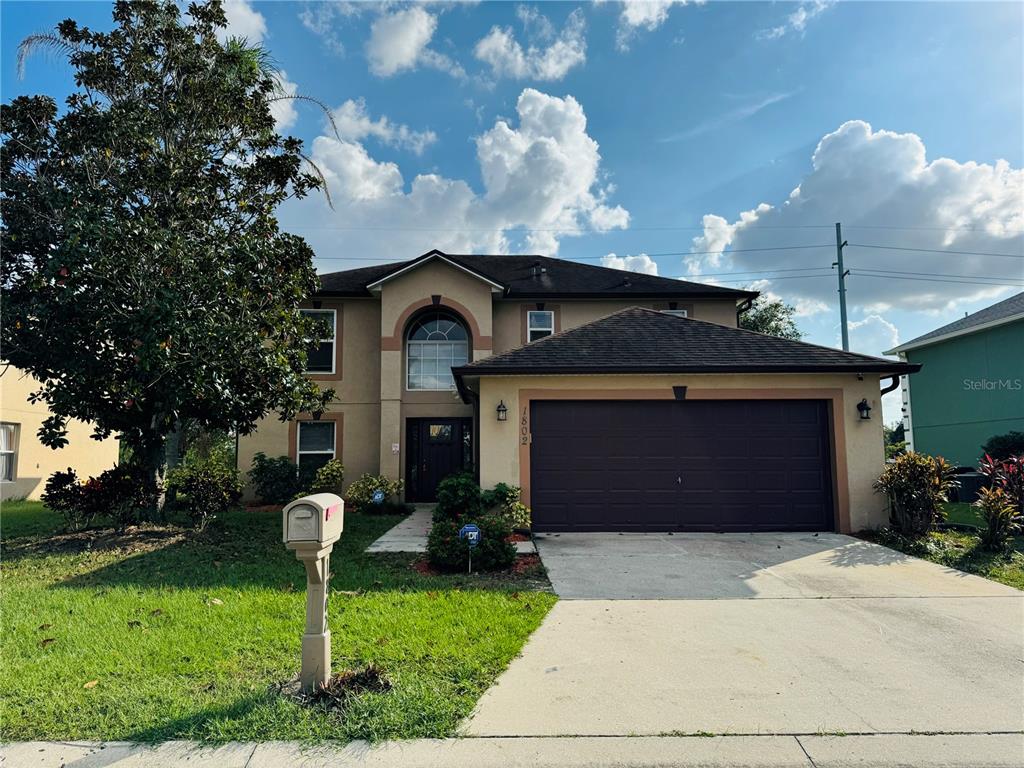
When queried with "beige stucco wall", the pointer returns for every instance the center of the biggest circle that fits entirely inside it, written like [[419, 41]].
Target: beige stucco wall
[[509, 330], [35, 462], [357, 396], [859, 452]]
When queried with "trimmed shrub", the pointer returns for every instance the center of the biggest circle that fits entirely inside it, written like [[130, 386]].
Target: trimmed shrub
[[1001, 519], [276, 481], [504, 500], [63, 494], [916, 485], [360, 495], [329, 478], [447, 552], [1004, 446], [207, 488], [458, 496], [125, 493]]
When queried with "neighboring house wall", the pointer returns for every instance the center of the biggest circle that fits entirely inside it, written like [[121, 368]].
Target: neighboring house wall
[[858, 455], [34, 462], [970, 388]]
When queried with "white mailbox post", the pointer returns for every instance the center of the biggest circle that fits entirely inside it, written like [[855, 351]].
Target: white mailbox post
[[311, 526]]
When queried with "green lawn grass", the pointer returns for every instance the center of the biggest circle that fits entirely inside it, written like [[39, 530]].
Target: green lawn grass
[[962, 550], [962, 513], [187, 634]]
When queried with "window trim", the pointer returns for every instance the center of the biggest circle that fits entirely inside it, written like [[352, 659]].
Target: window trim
[[14, 452], [334, 340], [550, 328], [298, 438], [677, 312], [408, 348]]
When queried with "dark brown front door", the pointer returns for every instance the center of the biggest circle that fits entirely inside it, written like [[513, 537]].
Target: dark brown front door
[[666, 465], [436, 448]]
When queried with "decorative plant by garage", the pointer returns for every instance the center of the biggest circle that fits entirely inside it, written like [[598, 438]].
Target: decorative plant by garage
[[917, 485], [1002, 503]]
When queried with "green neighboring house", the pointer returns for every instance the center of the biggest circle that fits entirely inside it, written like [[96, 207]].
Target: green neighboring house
[[971, 385]]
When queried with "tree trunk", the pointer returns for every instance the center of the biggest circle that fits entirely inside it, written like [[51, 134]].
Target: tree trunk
[[172, 458], [150, 459]]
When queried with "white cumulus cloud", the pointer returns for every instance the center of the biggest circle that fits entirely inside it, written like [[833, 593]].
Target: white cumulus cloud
[[244, 21], [546, 57], [399, 42], [354, 123], [540, 173], [887, 194], [796, 21], [641, 14], [640, 263]]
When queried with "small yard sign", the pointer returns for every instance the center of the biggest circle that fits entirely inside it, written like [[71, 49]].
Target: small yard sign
[[378, 496], [471, 535]]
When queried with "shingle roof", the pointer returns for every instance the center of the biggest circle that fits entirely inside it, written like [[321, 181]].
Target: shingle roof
[[638, 340], [1006, 309], [527, 277]]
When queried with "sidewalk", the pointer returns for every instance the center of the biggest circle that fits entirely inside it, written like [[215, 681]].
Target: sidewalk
[[876, 751], [410, 535]]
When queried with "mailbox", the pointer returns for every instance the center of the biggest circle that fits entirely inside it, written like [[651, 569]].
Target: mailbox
[[310, 526], [313, 522]]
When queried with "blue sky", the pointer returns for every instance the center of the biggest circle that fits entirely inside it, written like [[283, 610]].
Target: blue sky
[[609, 131]]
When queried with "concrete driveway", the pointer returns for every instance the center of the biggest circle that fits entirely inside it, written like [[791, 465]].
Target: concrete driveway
[[760, 633]]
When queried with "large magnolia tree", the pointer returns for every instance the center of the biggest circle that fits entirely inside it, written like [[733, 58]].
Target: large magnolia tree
[[145, 279]]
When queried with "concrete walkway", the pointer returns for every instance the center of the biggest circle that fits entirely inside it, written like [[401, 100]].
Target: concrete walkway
[[410, 535], [881, 751], [790, 634]]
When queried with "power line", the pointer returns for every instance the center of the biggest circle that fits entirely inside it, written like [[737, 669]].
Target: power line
[[943, 274], [934, 250], [935, 280], [591, 230]]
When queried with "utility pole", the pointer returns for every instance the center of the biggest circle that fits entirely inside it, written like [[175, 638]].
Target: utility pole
[[840, 244]]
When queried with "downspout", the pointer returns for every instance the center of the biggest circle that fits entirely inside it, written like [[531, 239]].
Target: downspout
[[890, 387], [473, 398], [742, 307]]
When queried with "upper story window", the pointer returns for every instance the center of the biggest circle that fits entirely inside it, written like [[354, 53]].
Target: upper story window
[[8, 452], [539, 323], [321, 359], [437, 342], [676, 312]]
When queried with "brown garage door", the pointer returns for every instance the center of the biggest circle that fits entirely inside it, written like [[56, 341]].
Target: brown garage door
[[667, 465]]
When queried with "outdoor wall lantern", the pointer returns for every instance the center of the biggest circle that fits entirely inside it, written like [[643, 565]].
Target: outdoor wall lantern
[[864, 409], [502, 411]]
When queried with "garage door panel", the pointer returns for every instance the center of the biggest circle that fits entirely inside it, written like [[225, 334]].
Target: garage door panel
[[741, 465]]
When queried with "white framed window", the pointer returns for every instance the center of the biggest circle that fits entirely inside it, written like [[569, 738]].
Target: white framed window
[[321, 359], [676, 312], [8, 452], [436, 343], [539, 323], [315, 444]]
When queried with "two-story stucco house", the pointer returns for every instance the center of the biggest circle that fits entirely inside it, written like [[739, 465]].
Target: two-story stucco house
[[615, 400]]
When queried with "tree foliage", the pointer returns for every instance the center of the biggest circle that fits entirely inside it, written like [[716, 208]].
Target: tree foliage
[[773, 317], [145, 278]]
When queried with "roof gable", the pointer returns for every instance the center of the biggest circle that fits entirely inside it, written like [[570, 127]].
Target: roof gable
[[639, 340], [1005, 311], [430, 256]]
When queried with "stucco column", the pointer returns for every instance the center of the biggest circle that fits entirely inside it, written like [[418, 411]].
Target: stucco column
[[390, 412]]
